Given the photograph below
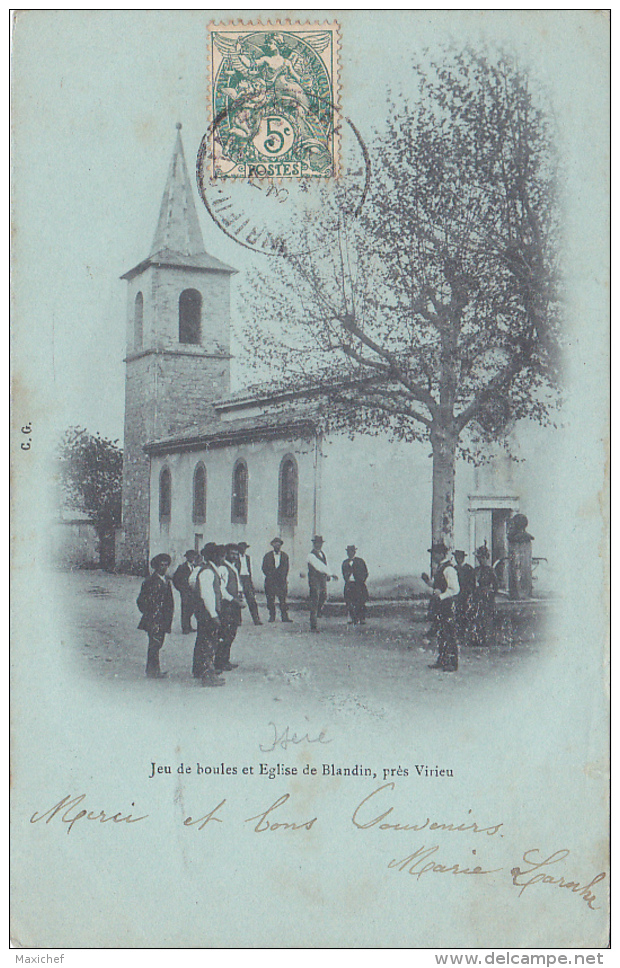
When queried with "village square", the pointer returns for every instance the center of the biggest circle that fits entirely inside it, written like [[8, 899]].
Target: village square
[[314, 487]]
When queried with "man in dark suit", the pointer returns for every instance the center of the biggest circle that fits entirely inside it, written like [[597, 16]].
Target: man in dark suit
[[483, 599], [355, 573], [467, 584], [245, 574], [156, 603], [180, 580], [275, 570]]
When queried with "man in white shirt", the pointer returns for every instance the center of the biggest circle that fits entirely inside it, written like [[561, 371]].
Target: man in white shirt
[[318, 575], [208, 596], [230, 611], [245, 574], [446, 588]]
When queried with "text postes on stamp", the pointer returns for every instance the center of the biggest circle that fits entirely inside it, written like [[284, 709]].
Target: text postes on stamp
[[273, 91]]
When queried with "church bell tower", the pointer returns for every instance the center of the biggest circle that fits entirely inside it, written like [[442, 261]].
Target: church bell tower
[[178, 347]]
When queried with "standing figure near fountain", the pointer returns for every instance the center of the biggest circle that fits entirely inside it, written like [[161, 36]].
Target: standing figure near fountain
[[483, 601]]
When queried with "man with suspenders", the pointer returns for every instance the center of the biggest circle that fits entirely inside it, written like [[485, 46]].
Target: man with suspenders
[[230, 612], [445, 592], [318, 576], [206, 583]]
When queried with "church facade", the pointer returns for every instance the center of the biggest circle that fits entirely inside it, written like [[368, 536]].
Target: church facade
[[202, 464]]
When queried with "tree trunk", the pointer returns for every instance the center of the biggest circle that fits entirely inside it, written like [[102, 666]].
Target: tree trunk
[[442, 515]]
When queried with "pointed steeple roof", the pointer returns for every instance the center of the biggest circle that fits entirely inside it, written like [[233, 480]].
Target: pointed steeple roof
[[178, 229], [178, 239]]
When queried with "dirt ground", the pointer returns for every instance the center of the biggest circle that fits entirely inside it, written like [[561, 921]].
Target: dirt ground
[[366, 669]]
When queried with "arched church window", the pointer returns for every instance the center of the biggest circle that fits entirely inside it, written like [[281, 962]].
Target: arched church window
[[190, 308], [138, 321], [165, 495], [239, 508], [199, 503], [287, 495]]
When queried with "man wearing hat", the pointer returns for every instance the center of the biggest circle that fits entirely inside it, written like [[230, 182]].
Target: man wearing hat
[[208, 603], [445, 592], [318, 576], [245, 574], [355, 573], [181, 581], [275, 570], [156, 603], [483, 603], [230, 611], [467, 585]]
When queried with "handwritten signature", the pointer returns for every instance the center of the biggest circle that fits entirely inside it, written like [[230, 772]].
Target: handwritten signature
[[284, 738], [584, 890], [411, 865]]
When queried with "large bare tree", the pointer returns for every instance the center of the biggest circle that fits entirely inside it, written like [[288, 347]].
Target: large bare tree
[[433, 313]]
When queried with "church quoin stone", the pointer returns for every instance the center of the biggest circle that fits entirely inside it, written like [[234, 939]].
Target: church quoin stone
[[202, 464]]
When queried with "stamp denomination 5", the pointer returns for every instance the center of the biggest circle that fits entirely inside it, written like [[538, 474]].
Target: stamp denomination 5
[[272, 96]]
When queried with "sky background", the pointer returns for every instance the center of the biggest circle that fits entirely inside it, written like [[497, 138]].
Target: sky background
[[96, 96]]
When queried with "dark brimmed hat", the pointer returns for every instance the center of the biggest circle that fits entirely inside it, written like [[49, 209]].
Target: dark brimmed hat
[[438, 548], [209, 551], [191, 555], [232, 546], [318, 538], [160, 559], [351, 548], [277, 541], [242, 546]]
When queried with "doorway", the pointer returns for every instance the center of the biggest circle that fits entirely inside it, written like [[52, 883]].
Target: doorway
[[488, 520]]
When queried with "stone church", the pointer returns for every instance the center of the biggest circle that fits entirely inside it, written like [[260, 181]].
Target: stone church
[[204, 464]]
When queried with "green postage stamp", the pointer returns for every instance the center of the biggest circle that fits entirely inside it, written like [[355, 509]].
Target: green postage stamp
[[273, 99]]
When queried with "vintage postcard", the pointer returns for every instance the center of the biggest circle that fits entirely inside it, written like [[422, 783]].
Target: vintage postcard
[[310, 404]]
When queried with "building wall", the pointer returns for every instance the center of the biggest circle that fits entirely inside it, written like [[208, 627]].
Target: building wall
[[263, 461], [368, 492], [376, 495], [169, 386], [75, 544], [161, 287], [140, 400]]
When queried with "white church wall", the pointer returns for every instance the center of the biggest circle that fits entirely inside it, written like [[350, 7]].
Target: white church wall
[[377, 495], [263, 461], [366, 491]]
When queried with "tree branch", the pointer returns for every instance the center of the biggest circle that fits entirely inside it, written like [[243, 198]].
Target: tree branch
[[505, 375], [418, 392]]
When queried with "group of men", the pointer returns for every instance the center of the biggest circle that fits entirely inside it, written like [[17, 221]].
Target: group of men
[[462, 606], [216, 583]]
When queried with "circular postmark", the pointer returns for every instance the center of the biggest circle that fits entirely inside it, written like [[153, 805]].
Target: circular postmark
[[272, 90], [262, 210]]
